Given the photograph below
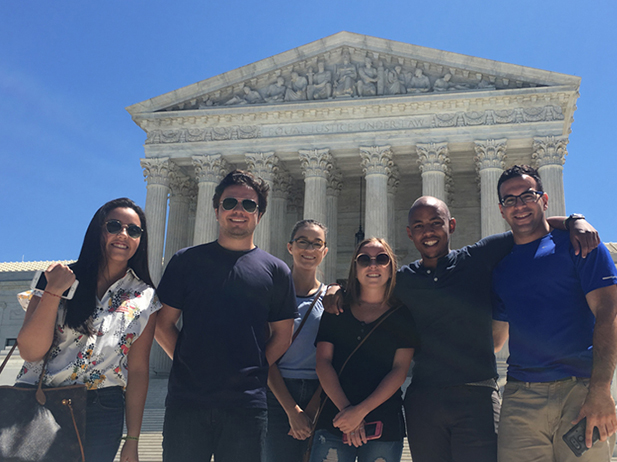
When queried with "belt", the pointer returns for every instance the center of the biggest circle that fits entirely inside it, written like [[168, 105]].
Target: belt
[[565, 379]]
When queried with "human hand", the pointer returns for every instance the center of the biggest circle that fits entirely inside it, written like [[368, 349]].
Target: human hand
[[129, 451], [357, 437], [584, 237], [333, 299], [349, 419], [59, 278], [599, 408], [300, 424]]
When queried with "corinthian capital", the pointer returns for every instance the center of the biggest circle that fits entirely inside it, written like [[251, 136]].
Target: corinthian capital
[[263, 164], [281, 182], [335, 183], [393, 179], [549, 150], [376, 160], [315, 162], [490, 154], [182, 187], [157, 170], [433, 157], [210, 169]]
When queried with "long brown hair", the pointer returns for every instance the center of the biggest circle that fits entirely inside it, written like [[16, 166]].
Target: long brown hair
[[352, 293]]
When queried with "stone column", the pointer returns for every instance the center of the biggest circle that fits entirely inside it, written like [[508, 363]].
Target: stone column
[[333, 190], [549, 155], [376, 164], [209, 171], [434, 165], [393, 182], [156, 172], [490, 157], [190, 235], [178, 223], [265, 166], [316, 166], [277, 208], [294, 213]]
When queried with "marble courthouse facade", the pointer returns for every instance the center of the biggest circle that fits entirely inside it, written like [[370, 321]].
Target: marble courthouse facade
[[349, 130]]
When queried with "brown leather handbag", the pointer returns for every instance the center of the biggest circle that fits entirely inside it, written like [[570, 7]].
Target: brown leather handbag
[[40, 424]]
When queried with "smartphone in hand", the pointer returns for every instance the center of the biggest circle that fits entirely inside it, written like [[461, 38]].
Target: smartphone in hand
[[40, 282], [372, 430], [575, 437]]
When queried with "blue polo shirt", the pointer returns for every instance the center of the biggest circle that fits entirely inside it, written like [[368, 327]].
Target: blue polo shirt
[[540, 289]]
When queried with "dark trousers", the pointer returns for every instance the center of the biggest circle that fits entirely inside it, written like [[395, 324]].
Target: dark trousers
[[104, 423], [280, 447], [231, 435], [456, 424]]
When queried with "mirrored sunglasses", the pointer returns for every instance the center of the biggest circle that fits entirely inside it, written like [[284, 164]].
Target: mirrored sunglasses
[[363, 260], [230, 203], [115, 227]]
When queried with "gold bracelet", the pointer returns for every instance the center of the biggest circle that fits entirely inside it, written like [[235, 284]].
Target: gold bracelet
[[134, 438]]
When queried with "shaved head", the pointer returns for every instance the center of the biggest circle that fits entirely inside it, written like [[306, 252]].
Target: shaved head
[[429, 201]]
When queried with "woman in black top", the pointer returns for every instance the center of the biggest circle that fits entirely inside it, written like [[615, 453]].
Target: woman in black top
[[362, 416]]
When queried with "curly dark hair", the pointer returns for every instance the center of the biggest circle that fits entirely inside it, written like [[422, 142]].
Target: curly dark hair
[[517, 171]]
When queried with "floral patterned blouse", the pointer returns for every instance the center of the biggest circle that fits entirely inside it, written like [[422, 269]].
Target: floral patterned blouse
[[99, 360]]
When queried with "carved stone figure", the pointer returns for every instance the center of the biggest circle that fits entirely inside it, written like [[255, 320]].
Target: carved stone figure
[[346, 76], [394, 81], [275, 91], [367, 85], [419, 83], [206, 103], [296, 91], [485, 85], [443, 83], [249, 97], [320, 84]]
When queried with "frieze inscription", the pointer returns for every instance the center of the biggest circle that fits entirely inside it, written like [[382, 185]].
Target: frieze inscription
[[443, 120]]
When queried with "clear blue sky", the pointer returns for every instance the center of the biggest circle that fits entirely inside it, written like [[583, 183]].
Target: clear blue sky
[[68, 69]]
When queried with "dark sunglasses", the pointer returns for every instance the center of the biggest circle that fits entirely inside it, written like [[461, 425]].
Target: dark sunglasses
[[116, 227], [248, 205], [363, 260]]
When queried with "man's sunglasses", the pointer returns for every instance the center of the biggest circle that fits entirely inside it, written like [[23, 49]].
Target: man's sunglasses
[[230, 203], [116, 227], [364, 261]]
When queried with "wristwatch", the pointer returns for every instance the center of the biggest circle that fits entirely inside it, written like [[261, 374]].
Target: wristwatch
[[571, 218]]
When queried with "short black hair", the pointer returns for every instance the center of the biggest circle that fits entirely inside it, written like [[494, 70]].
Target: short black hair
[[241, 177], [517, 171]]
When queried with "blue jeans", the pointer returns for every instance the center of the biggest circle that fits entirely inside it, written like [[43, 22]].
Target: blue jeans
[[280, 447], [327, 447], [104, 422], [231, 435]]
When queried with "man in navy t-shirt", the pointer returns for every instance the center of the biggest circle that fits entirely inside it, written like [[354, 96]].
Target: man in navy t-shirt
[[560, 311], [238, 305]]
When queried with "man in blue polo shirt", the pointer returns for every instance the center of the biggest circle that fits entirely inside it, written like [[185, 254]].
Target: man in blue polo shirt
[[238, 305], [560, 311]]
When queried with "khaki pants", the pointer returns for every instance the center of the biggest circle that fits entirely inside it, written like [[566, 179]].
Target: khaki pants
[[534, 418]]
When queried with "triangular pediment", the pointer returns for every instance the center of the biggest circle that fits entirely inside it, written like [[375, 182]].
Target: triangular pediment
[[348, 65]]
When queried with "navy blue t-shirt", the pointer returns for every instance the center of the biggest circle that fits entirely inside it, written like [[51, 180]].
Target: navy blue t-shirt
[[227, 299], [451, 305]]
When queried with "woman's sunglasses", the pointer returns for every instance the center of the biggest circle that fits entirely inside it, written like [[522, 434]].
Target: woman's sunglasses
[[363, 260], [248, 205], [115, 227]]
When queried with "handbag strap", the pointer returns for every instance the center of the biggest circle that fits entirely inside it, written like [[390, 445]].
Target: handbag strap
[[385, 316], [305, 318], [8, 356]]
